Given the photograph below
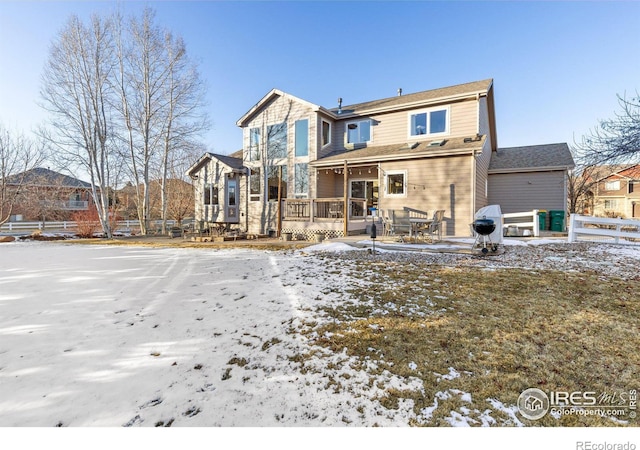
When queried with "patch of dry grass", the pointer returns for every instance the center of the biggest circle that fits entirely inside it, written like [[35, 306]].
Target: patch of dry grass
[[501, 330]]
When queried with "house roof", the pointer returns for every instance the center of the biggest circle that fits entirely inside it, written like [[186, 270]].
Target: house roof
[[531, 158], [391, 103], [406, 100], [631, 172], [453, 146], [230, 161], [39, 176]]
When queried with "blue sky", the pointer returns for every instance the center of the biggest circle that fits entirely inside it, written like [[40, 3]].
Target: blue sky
[[557, 66]]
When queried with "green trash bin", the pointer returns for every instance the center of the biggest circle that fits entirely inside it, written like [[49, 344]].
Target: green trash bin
[[557, 220], [542, 218]]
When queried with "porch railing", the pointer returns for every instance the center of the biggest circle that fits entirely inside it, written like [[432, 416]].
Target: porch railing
[[309, 210]]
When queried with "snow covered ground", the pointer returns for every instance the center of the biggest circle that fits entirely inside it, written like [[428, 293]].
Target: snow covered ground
[[94, 336]]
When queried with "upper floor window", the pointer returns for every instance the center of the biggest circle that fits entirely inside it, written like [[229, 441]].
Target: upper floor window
[[612, 185], [302, 137], [326, 133], [254, 144], [277, 141], [429, 122], [359, 132]]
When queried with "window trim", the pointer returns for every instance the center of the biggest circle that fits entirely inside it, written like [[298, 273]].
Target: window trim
[[612, 204], [257, 144], [296, 178], [405, 184], [254, 177], [428, 111], [322, 122], [346, 129], [607, 185], [285, 126], [295, 138]]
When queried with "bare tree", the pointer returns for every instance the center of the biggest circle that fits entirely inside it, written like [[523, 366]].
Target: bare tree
[[76, 91], [161, 99], [614, 140], [18, 155]]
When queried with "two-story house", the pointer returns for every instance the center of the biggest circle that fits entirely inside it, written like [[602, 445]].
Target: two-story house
[[617, 194], [46, 194], [305, 168]]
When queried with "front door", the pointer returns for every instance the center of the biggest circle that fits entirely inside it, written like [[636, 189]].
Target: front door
[[367, 189], [232, 200]]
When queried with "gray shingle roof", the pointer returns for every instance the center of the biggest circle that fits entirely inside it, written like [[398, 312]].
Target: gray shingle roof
[[548, 156], [424, 96], [40, 176]]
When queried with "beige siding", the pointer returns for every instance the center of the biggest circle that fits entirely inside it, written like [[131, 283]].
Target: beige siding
[[432, 184], [482, 176], [393, 128], [262, 215], [519, 192]]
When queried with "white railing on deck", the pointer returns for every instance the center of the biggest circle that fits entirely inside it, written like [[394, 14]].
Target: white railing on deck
[[534, 223], [603, 227]]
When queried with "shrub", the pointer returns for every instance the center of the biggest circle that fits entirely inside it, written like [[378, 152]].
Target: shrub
[[88, 222]]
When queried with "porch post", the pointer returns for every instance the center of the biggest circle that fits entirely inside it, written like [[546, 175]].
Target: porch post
[[346, 200]]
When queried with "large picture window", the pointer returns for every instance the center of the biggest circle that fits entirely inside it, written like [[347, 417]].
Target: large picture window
[[277, 141], [429, 122], [273, 180], [612, 185], [302, 137], [359, 132]]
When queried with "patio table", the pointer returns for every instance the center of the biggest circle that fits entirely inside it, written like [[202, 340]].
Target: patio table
[[417, 224]]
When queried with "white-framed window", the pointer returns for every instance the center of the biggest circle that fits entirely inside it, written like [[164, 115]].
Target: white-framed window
[[301, 180], [359, 132], [612, 185], [277, 141], [274, 180], [210, 194], [302, 137], [611, 204], [431, 122], [395, 183], [326, 133], [254, 144], [254, 184]]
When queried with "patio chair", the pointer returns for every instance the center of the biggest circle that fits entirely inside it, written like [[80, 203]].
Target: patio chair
[[435, 227]]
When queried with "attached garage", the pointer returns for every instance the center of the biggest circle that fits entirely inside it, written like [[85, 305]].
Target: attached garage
[[532, 177]]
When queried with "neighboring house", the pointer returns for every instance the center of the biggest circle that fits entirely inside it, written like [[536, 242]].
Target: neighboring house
[[532, 177], [334, 168], [48, 195], [617, 194]]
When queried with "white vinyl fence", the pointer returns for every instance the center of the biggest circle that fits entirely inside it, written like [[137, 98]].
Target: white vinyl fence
[[17, 227], [622, 231]]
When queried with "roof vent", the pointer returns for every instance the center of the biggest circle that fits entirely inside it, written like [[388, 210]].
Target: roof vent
[[340, 105], [399, 92], [413, 145], [439, 143]]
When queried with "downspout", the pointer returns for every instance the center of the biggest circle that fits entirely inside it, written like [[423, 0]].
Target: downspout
[[345, 221], [473, 186]]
